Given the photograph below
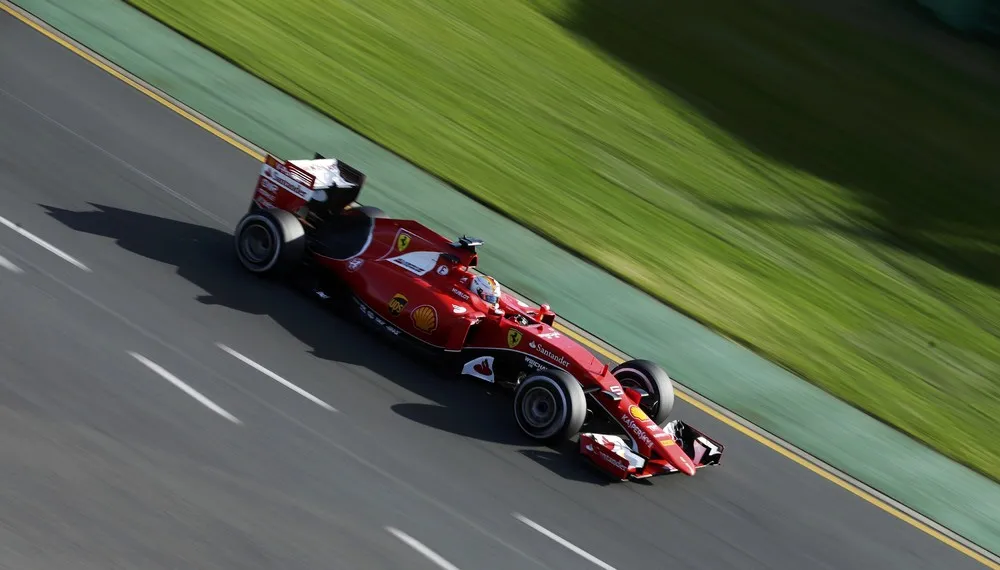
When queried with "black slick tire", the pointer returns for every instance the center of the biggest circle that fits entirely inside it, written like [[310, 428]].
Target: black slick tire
[[269, 242], [550, 406], [652, 379]]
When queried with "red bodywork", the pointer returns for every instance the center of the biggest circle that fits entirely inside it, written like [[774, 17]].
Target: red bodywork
[[415, 282]]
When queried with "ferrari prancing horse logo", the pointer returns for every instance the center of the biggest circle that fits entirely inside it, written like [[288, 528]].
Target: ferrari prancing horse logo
[[513, 337], [402, 242]]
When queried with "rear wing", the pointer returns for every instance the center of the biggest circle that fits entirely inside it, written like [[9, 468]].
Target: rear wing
[[292, 184]]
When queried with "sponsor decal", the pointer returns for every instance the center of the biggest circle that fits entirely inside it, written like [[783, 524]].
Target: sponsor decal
[[268, 187], [425, 318], [686, 460], [442, 270], [534, 364], [514, 337], [457, 309], [374, 317], [481, 368], [550, 335], [419, 262], [354, 264], [636, 430], [637, 413], [402, 242], [459, 293], [548, 354], [397, 303], [608, 457], [286, 181], [665, 438]]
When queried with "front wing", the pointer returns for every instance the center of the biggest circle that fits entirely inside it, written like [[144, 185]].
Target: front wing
[[613, 455]]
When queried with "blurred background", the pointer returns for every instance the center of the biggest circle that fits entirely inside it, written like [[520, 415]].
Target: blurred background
[[817, 180]]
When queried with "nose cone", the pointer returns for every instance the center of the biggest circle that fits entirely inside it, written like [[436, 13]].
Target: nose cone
[[687, 468], [678, 458]]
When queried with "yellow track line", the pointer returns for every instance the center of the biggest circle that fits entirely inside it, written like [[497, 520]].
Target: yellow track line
[[846, 485]]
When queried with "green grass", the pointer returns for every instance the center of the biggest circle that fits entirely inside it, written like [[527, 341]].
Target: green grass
[[825, 196]]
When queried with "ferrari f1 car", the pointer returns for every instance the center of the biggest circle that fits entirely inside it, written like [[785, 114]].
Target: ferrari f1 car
[[416, 286]]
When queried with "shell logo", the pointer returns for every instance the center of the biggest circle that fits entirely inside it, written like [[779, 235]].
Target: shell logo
[[425, 318], [637, 413]]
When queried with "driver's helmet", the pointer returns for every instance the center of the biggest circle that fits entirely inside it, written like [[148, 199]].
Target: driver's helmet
[[487, 288]]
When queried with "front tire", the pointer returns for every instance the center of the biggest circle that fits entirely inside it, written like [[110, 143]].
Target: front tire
[[550, 406], [652, 379], [269, 241]]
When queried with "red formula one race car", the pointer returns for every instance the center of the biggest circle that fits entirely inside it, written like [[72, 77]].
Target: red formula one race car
[[419, 287]]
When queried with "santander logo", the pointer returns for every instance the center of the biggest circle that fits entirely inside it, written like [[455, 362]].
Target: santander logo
[[549, 354]]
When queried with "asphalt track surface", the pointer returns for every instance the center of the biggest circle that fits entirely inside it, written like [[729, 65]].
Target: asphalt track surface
[[130, 438]]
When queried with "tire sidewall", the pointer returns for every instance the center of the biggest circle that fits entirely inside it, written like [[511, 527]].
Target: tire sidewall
[[568, 397], [259, 219], [655, 381], [287, 237]]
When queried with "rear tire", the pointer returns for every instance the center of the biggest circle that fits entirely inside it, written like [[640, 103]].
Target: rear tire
[[550, 406], [269, 241], [651, 378]]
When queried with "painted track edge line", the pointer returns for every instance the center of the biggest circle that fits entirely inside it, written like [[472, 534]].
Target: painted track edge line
[[745, 427], [421, 548], [260, 368], [44, 244], [563, 542], [184, 387], [9, 265]]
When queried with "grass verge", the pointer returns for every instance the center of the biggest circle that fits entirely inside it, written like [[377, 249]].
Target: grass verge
[[826, 194]]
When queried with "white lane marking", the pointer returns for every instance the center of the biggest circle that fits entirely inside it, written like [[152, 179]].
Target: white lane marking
[[323, 436], [8, 265], [184, 387], [563, 541], [275, 377], [419, 547], [43, 243]]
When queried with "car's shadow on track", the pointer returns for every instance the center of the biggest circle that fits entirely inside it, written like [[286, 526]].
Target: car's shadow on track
[[205, 257], [558, 461], [495, 416]]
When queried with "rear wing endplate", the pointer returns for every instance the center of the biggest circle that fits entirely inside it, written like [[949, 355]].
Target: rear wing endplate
[[282, 184], [292, 184]]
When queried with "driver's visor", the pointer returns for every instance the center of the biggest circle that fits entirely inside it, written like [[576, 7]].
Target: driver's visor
[[491, 299]]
